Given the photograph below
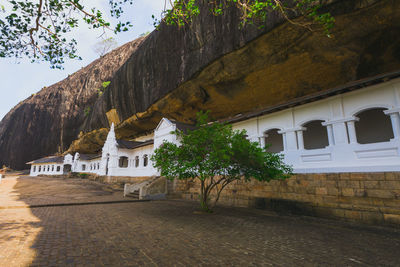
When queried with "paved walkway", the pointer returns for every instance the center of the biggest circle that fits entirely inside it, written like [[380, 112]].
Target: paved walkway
[[172, 233]]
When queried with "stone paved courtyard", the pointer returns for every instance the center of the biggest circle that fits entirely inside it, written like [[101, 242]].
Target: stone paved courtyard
[[171, 232]]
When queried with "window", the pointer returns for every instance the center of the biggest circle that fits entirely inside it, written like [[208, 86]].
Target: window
[[315, 136], [123, 162], [137, 161], [34, 168], [83, 167], [98, 165], [373, 127], [58, 168], [273, 141], [48, 168], [40, 168], [145, 160], [52, 168]]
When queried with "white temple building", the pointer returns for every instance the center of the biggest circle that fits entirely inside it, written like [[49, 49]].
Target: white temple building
[[354, 129]]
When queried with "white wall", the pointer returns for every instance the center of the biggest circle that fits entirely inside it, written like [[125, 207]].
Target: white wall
[[46, 168], [163, 133], [132, 170], [339, 118], [339, 115]]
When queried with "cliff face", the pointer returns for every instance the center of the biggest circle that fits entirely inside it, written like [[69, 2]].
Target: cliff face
[[211, 64], [215, 66], [50, 120]]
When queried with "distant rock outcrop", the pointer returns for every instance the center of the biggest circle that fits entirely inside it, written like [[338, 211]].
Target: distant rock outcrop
[[48, 121], [211, 64]]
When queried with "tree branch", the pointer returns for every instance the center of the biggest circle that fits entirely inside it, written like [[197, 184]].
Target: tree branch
[[36, 29]]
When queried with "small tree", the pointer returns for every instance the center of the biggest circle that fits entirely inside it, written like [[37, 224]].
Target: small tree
[[217, 155], [104, 46]]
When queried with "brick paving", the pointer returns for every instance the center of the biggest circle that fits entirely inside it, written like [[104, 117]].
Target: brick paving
[[173, 233]]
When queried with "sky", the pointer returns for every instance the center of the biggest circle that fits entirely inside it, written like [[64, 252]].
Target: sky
[[20, 78]]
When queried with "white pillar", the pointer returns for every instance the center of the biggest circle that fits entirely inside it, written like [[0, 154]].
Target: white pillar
[[394, 117], [331, 140], [284, 142], [262, 140], [352, 132], [300, 139]]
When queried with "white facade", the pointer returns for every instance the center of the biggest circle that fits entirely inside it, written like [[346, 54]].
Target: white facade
[[50, 168], [357, 131]]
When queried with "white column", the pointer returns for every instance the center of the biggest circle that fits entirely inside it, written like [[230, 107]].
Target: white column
[[352, 132], [290, 140], [394, 117], [300, 139], [284, 142], [331, 140], [262, 140]]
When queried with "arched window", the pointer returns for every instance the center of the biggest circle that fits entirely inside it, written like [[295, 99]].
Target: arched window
[[58, 168], [52, 168], [98, 165], [40, 169], [315, 136], [145, 160], [83, 167], [373, 127], [34, 168], [123, 162], [273, 141], [137, 161]]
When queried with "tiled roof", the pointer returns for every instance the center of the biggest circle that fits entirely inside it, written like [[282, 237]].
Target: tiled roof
[[89, 156], [51, 159], [351, 86], [184, 127], [133, 144]]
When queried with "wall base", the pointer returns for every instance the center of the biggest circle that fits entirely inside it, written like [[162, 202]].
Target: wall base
[[372, 198]]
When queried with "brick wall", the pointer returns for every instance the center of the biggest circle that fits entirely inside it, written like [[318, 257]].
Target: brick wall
[[372, 198]]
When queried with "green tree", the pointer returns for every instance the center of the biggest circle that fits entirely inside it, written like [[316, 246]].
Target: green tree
[[217, 155], [38, 29], [104, 46]]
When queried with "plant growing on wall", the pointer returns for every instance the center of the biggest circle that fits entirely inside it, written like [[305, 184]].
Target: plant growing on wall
[[87, 111], [216, 155], [104, 85]]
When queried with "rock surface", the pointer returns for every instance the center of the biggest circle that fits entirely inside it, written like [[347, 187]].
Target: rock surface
[[211, 64], [48, 121]]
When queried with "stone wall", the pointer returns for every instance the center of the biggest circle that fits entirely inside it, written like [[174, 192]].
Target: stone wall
[[372, 198], [119, 179]]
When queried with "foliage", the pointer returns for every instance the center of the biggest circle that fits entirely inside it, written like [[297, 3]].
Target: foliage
[[38, 29], [104, 85], [144, 34], [254, 11], [87, 111], [83, 175], [104, 46], [217, 155]]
